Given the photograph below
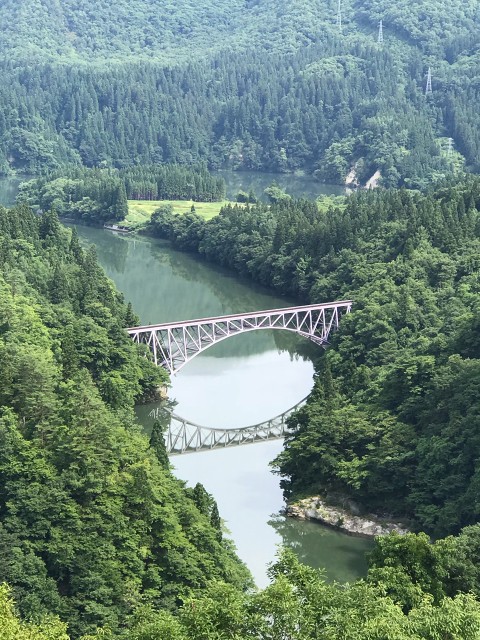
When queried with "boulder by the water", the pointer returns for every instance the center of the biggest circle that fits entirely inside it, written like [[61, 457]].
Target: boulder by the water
[[333, 516]]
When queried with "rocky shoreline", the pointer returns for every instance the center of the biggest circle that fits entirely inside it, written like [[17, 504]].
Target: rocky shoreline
[[315, 508]]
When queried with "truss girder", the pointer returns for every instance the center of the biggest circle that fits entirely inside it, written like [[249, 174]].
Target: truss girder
[[184, 436], [174, 344]]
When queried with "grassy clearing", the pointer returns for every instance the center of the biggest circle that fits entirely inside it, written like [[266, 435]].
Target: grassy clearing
[[140, 211]]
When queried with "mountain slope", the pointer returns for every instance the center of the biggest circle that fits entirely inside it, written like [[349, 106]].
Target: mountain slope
[[85, 30], [109, 29], [246, 84], [92, 521]]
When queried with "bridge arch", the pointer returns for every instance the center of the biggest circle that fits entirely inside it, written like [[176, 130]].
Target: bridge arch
[[174, 344], [184, 436]]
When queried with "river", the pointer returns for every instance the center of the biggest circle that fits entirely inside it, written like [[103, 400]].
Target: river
[[9, 190], [241, 381], [298, 186]]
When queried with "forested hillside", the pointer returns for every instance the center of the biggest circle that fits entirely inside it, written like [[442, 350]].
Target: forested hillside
[[393, 421], [109, 99], [92, 522], [82, 31], [247, 85], [76, 31]]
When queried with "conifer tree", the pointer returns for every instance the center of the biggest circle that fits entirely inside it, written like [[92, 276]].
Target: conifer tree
[[157, 444]]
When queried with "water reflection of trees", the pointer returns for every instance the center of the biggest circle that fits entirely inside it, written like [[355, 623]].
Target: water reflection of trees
[[297, 347], [8, 191], [296, 186], [190, 283], [340, 555], [160, 411], [238, 295], [112, 249]]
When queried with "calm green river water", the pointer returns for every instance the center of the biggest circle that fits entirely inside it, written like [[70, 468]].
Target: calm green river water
[[8, 190], [242, 381], [296, 186]]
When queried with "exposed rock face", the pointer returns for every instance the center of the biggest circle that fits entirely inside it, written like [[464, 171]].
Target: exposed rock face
[[316, 509], [372, 183], [351, 181]]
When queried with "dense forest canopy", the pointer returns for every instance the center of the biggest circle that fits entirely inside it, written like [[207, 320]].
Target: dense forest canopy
[[392, 423], [116, 31], [74, 30], [402, 599], [250, 85], [109, 99], [399, 385], [92, 522]]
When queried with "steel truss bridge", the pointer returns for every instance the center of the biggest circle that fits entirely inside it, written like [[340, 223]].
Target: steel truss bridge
[[174, 344], [184, 436]]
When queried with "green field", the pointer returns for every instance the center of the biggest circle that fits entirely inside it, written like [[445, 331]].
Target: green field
[[140, 211]]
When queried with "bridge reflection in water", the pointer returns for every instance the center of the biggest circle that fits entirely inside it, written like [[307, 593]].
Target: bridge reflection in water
[[184, 436]]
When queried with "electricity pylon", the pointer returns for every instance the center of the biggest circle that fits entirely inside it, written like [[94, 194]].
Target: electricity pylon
[[380, 32], [428, 88]]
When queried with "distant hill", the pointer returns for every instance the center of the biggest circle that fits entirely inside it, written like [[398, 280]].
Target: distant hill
[[108, 30], [96, 29], [248, 84]]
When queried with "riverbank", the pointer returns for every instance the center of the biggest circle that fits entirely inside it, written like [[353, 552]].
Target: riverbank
[[315, 508]]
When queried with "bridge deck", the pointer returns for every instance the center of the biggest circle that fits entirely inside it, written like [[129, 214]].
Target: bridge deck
[[239, 316]]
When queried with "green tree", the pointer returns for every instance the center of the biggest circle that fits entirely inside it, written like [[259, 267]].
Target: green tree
[[157, 443], [50, 628]]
